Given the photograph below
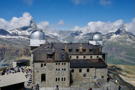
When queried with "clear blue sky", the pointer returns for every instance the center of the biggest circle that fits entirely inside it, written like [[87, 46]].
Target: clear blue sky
[[72, 12]]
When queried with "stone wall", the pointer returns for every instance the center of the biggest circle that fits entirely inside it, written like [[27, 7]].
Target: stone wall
[[84, 75], [57, 73]]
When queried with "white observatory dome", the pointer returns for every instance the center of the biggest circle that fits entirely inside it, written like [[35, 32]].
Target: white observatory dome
[[97, 37], [37, 35]]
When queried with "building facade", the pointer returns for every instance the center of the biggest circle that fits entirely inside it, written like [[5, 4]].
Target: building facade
[[67, 64]]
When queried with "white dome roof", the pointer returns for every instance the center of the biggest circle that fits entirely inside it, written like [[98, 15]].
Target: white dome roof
[[97, 37], [38, 35]]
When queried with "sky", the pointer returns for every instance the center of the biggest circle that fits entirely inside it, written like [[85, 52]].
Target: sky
[[69, 13]]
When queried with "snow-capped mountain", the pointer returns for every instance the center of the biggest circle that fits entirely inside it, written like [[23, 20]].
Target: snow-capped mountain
[[121, 34], [24, 30], [119, 44], [4, 32]]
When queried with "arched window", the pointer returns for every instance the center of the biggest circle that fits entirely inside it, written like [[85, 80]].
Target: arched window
[[43, 77]]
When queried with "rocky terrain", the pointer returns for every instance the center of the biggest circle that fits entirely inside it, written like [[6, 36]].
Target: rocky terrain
[[13, 49], [123, 75]]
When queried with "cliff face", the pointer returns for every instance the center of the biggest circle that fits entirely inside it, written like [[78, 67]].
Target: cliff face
[[10, 51]]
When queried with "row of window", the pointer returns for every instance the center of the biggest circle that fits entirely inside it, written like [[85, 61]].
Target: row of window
[[43, 64], [58, 63], [60, 79], [43, 77], [82, 50], [63, 69], [80, 70], [84, 57]]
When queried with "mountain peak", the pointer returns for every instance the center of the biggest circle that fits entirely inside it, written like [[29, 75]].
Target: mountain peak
[[121, 30]]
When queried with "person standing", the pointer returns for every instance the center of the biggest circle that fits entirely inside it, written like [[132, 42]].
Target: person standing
[[57, 87]]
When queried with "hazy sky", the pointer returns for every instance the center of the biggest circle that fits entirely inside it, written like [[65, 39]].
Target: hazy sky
[[69, 12]]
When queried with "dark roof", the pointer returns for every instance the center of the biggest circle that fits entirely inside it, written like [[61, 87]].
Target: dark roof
[[60, 50], [86, 64], [73, 46]]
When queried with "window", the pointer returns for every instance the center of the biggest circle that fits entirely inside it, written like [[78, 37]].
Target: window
[[84, 50], [41, 65], [70, 56], [102, 76], [84, 75], [80, 70], [97, 56], [77, 57], [64, 79], [70, 50], [63, 69], [64, 63], [88, 70], [84, 57], [90, 57], [49, 55], [43, 77], [44, 64], [61, 79], [63, 49], [56, 80], [57, 63], [77, 50], [72, 70], [57, 69], [90, 50]]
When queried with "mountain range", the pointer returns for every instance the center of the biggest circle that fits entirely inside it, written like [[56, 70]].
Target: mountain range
[[119, 45]]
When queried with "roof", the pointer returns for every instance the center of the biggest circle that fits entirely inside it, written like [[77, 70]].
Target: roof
[[61, 50], [86, 64], [74, 46]]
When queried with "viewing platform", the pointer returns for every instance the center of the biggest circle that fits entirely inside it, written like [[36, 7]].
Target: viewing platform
[[12, 79]]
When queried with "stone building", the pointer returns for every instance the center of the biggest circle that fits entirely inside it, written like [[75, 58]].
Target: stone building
[[67, 64]]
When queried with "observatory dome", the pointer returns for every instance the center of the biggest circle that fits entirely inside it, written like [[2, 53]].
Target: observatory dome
[[38, 35], [97, 37]]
